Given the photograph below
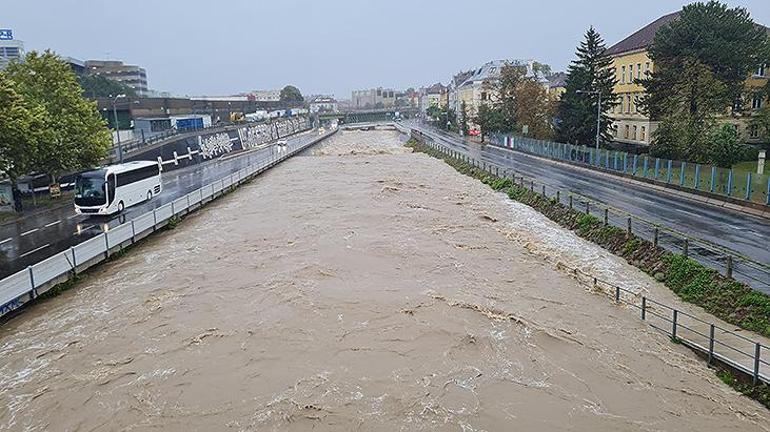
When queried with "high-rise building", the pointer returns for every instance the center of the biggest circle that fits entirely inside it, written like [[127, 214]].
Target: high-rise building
[[10, 48], [130, 75]]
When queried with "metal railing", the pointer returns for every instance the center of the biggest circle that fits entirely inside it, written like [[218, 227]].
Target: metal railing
[[700, 178], [26, 285], [715, 342]]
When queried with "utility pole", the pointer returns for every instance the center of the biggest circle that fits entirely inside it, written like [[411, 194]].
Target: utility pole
[[117, 126]]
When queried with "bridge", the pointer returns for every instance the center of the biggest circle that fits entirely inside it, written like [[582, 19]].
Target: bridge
[[370, 116]]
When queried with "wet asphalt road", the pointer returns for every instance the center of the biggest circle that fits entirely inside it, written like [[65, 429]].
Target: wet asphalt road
[[35, 238], [745, 234]]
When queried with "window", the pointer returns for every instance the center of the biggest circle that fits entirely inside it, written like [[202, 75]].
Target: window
[[756, 102], [638, 70], [626, 134], [623, 75], [760, 72], [754, 131], [630, 73], [615, 130], [628, 104], [647, 68], [483, 96], [634, 137], [622, 104], [643, 135]]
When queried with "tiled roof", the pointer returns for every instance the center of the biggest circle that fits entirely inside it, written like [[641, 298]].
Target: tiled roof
[[643, 37]]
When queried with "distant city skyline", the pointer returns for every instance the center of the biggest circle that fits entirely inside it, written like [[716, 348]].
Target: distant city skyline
[[333, 47]]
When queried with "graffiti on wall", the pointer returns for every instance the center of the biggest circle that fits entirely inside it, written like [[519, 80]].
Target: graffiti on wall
[[215, 145]]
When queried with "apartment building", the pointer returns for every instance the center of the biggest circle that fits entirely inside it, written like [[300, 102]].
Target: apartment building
[[631, 61], [373, 98], [10, 48], [132, 76]]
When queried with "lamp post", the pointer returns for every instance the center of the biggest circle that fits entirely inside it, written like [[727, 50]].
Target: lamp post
[[598, 114], [117, 126]]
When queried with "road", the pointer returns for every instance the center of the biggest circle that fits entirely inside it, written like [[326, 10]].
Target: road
[[37, 237], [745, 234]]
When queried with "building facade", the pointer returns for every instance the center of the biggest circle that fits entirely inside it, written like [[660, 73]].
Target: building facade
[[631, 61], [323, 104], [132, 76], [266, 95], [10, 48], [373, 98]]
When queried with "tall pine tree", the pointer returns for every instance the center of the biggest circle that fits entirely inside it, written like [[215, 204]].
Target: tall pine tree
[[587, 76]]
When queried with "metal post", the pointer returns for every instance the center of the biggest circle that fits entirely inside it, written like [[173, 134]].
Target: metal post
[[106, 245], [673, 324], [629, 226], [681, 173], [133, 232], [606, 216], [713, 178], [685, 248], [697, 176], [729, 263], [588, 207], [748, 185], [767, 198], [668, 172], [543, 191], [644, 308], [617, 294], [711, 343], [729, 183], [33, 293], [655, 237], [598, 119], [757, 353], [74, 261], [633, 169], [558, 196], [532, 186], [657, 167], [570, 201]]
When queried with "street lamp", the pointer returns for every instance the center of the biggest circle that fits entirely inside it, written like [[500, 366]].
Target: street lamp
[[598, 93], [117, 126]]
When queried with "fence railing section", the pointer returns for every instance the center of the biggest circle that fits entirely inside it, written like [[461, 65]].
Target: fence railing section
[[28, 284], [716, 343], [740, 185]]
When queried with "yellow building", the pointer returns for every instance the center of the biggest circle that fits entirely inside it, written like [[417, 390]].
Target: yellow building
[[630, 61]]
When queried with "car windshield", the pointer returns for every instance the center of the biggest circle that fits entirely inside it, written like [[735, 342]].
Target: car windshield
[[89, 189]]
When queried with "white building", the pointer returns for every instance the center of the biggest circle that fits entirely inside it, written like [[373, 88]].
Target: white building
[[10, 49], [266, 95], [323, 104]]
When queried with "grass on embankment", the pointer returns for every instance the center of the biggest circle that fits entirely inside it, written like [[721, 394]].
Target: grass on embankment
[[728, 299]]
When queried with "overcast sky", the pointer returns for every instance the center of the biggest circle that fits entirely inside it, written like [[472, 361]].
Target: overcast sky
[[323, 46]]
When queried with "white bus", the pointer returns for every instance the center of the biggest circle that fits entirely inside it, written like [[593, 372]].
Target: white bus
[[114, 188]]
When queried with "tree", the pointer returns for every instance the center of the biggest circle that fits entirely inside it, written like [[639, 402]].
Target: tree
[[723, 39], [534, 108], [726, 147], [97, 86], [464, 118], [72, 134], [489, 119], [18, 131], [587, 76], [291, 95], [693, 100]]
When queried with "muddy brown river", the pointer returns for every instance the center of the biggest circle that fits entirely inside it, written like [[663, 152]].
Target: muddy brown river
[[355, 287]]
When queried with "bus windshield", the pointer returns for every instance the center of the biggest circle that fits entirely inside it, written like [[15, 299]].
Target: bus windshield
[[90, 189]]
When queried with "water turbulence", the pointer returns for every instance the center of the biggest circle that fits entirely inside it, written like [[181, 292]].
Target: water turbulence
[[356, 286]]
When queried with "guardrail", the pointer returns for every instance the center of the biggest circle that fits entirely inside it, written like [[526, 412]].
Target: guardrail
[[26, 285], [713, 341], [731, 263]]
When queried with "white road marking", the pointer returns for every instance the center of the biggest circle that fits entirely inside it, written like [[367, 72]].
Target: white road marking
[[73, 216], [34, 250], [6, 240], [53, 223], [29, 232]]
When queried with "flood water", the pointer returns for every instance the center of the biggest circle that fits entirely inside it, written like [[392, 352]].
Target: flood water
[[355, 287]]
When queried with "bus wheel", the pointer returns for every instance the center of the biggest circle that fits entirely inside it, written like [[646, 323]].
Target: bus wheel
[[120, 207], [149, 195]]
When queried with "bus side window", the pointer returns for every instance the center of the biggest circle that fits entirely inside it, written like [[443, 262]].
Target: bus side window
[[111, 182]]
